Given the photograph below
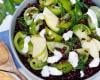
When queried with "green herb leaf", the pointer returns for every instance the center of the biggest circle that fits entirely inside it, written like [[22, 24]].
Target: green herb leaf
[[2, 12], [9, 6], [72, 43], [81, 65]]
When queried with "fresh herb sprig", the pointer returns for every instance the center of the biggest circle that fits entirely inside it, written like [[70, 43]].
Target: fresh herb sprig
[[8, 6]]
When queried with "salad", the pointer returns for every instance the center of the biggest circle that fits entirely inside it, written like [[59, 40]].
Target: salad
[[59, 39]]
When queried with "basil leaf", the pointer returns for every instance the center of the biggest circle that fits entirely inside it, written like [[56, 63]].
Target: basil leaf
[[9, 6]]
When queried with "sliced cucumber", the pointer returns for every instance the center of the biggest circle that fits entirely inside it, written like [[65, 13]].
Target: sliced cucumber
[[43, 56], [52, 45], [39, 44], [51, 19]]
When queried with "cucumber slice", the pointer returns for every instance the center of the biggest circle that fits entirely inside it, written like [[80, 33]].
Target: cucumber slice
[[43, 56], [52, 45], [39, 44], [51, 19]]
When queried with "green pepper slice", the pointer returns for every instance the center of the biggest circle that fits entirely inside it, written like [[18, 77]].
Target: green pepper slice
[[44, 3], [66, 4], [55, 9], [52, 36], [53, 45], [37, 64], [29, 14], [82, 31], [19, 41], [65, 66]]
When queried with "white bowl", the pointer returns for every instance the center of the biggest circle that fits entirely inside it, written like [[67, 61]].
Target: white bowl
[[22, 68]]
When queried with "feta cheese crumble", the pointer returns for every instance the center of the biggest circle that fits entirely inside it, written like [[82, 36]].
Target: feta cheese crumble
[[93, 17], [94, 63], [39, 16], [54, 71], [57, 53], [25, 48], [93, 47], [82, 73], [53, 59], [98, 31], [67, 35], [42, 33], [94, 20], [48, 70], [73, 59], [73, 1], [45, 71]]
